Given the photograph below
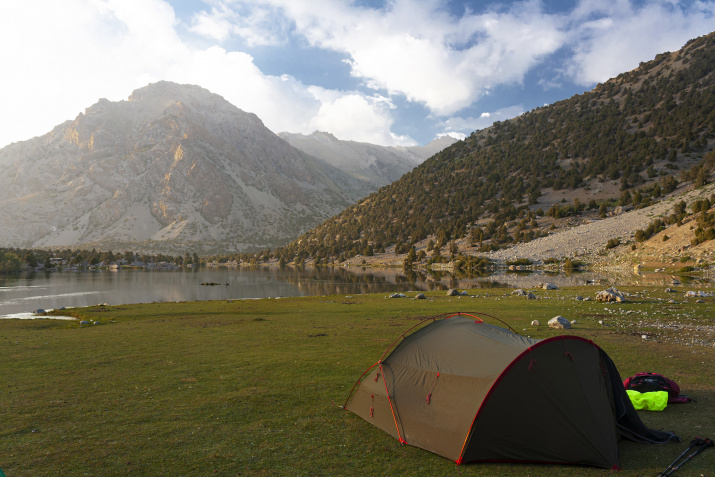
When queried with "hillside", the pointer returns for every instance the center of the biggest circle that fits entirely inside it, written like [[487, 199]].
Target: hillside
[[173, 169], [375, 165], [629, 141]]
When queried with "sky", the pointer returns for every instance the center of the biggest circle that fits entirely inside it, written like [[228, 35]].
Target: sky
[[388, 72]]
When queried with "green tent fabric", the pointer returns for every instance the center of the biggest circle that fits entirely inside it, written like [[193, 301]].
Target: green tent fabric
[[474, 392]]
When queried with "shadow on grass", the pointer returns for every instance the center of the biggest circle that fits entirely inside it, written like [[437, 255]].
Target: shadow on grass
[[690, 420]]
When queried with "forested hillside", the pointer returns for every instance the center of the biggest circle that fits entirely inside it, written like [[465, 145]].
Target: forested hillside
[[645, 129]]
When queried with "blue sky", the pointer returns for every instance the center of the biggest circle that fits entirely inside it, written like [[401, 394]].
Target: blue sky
[[390, 72]]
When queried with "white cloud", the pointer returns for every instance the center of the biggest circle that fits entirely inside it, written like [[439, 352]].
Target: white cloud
[[610, 38], [463, 126], [356, 117], [259, 25], [60, 57], [72, 53], [417, 50]]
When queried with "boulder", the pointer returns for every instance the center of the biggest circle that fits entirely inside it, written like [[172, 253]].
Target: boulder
[[548, 286], [536, 323], [454, 292], [39, 311], [519, 292], [397, 295], [530, 296], [420, 296], [610, 294], [697, 294], [559, 323]]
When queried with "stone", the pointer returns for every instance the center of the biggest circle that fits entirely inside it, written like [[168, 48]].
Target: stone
[[420, 296], [39, 311], [548, 286], [536, 323], [519, 292], [530, 296], [610, 294], [453, 292], [397, 295], [559, 323], [579, 298], [84, 322]]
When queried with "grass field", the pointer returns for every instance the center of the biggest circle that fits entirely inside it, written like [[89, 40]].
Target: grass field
[[252, 387]]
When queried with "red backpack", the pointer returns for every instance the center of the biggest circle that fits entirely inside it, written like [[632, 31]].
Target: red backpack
[[649, 382]]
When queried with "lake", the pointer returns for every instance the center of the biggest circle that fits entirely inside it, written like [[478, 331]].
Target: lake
[[20, 295]]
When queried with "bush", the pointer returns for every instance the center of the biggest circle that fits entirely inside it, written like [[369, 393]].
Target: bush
[[613, 243], [572, 264], [520, 261]]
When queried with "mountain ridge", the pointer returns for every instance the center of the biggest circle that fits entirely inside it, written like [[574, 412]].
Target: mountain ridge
[[624, 141], [173, 167]]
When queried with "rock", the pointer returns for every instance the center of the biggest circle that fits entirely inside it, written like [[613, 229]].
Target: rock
[[536, 323], [699, 301], [397, 295], [560, 323], [519, 292], [84, 322], [574, 322], [588, 298], [579, 298], [420, 296], [530, 296], [697, 294], [600, 322], [669, 290], [610, 294], [39, 311], [672, 302], [548, 286], [453, 292]]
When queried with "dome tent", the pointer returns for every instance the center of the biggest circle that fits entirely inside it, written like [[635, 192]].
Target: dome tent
[[474, 392]]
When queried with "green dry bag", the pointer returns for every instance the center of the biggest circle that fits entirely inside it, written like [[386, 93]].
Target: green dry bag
[[650, 401]]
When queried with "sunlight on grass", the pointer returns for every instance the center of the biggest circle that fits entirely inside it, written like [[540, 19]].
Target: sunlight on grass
[[253, 387]]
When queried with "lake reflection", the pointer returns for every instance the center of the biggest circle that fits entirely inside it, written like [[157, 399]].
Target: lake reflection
[[31, 291]]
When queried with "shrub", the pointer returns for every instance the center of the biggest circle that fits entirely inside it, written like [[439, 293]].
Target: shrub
[[613, 243], [520, 261]]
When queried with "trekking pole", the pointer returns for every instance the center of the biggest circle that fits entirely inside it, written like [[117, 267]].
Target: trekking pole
[[705, 444], [697, 442]]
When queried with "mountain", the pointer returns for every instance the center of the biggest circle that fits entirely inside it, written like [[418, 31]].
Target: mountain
[[174, 168], [376, 165], [627, 141]]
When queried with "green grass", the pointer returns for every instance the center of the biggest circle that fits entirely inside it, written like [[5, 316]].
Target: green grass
[[252, 387]]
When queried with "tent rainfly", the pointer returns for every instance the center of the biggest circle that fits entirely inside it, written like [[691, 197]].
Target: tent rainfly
[[474, 392]]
